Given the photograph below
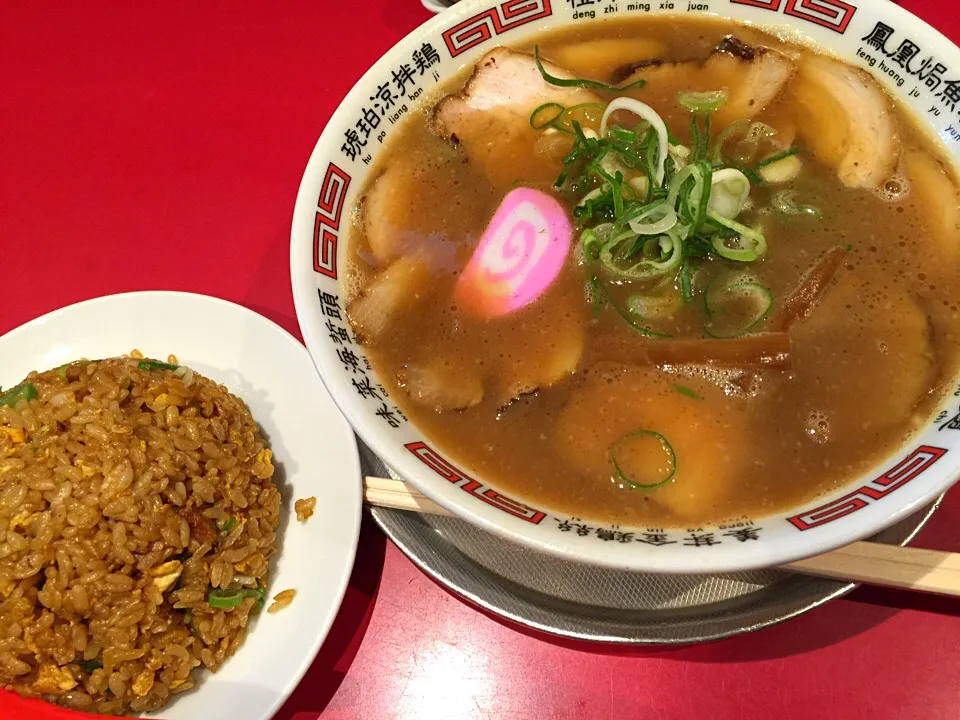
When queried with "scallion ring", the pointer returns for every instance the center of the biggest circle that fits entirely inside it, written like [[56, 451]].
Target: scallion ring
[[590, 244], [545, 115], [716, 157], [564, 123], [729, 191], [665, 218], [786, 203], [599, 295], [758, 295], [616, 450], [229, 599], [754, 241], [619, 262], [709, 101], [753, 133], [656, 122]]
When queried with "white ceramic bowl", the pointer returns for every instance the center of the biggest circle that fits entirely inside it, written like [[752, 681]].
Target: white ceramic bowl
[[315, 451], [906, 480]]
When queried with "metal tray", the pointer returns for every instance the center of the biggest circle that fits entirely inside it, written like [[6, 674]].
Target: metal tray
[[587, 603]]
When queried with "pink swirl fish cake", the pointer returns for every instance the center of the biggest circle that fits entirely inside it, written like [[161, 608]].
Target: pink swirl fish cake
[[521, 253]]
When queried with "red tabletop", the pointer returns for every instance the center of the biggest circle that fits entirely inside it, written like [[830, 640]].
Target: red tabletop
[[160, 146]]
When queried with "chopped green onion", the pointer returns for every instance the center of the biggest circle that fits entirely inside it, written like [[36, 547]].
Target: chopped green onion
[[637, 212], [701, 102], [581, 145], [753, 134], [757, 243], [595, 291], [782, 171], [224, 599], [625, 136], [626, 155], [578, 82], [229, 525], [88, 666], [596, 202], [789, 152], [229, 599], [62, 370], [615, 183], [717, 156], [687, 391], [706, 193], [590, 244], [617, 257], [694, 135], [701, 138], [24, 391], [600, 295], [618, 447], [757, 294], [730, 189], [657, 143], [753, 176], [556, 116], [640, 328], [786, 203], [544, 116], [151, 365], [565, 122]]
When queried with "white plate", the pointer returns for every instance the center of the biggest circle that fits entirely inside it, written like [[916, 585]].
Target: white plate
[[315, 451]]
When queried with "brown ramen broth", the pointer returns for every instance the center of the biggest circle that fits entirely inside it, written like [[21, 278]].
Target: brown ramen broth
[[747, 378]]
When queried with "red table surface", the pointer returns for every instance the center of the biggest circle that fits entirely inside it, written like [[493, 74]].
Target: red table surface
[[160, 146]]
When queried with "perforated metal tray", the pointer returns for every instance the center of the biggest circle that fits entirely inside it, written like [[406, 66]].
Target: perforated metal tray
[[588, 603]]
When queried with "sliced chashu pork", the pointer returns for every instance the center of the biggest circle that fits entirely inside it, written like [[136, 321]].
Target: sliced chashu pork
[[766, 72], [401, 215], [848, 121], [752, 75], [392, 212], [442, 386], [501, 359], [883, 329], [490, 117], [710, 439], [597, 58], [542, 351], [933, 182], [396, 291]]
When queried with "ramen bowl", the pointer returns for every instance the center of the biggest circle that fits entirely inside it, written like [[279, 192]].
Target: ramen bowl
[[867, 34]]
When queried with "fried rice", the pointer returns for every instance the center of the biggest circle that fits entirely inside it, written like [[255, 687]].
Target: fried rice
[[137, 520]]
